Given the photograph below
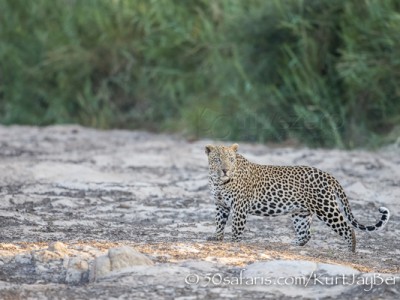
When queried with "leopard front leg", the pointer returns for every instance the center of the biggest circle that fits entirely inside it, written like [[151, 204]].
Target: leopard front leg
[[221, 218], [239, 219]]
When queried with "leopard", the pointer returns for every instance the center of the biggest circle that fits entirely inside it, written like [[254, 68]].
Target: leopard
[[240, 188]]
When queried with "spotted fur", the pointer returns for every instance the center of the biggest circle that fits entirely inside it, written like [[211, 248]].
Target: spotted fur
[[240, 187]]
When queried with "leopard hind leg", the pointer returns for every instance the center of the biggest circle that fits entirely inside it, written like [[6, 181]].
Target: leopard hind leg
[[302, 222], [337, 222]]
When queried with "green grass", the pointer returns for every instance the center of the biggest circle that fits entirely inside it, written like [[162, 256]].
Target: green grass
[[324, 72]]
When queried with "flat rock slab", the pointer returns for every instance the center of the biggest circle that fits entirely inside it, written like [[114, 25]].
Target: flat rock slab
[[70, 196]]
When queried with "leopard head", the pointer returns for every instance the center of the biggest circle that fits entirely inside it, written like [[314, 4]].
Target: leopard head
[[221, 161]]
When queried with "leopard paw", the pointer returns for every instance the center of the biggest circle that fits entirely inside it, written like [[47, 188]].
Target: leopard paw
[[215, 238]]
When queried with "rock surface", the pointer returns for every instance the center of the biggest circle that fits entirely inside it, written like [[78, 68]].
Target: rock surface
[[76, 201]]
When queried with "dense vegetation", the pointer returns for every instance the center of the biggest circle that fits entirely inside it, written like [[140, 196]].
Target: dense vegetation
[[324, 72]]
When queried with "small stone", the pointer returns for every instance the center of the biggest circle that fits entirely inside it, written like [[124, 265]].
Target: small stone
[[58, 247], [45, 256], [6, 256], [117, 259], [23, 259], [77, 270], [125, 257], [101, 267], [124, 205]]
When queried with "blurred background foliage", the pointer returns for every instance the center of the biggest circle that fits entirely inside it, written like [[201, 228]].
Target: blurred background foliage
[[321, 72]]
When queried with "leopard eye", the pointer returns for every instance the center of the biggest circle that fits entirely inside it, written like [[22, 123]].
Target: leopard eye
[[216, 160]]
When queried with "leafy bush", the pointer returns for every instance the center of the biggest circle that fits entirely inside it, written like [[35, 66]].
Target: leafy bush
[[324, 72]]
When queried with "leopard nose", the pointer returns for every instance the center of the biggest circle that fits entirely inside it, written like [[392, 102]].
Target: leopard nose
[[224, 171]]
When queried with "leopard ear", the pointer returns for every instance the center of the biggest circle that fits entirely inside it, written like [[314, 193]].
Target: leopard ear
[[235, 147], [209, 148]]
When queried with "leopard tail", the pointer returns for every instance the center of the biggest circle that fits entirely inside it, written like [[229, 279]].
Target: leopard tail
[[341, 198]]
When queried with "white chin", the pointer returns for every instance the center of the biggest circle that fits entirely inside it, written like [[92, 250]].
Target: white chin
[[224, 178]]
